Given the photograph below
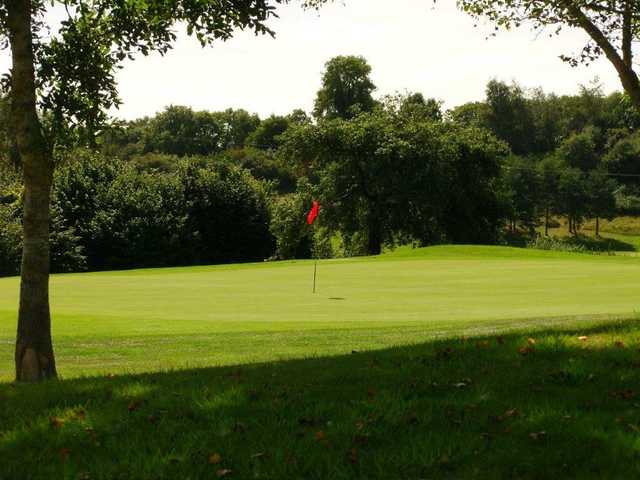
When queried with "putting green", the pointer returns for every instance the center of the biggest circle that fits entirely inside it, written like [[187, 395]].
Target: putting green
[[165, 318]]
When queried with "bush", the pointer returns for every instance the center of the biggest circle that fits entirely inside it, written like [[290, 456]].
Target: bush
[[289, 227], [227, 215], [110, 214], [556, 244]]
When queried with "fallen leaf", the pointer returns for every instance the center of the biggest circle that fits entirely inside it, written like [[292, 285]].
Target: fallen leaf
[[223, 472], [445, 354], [259, 455], [64, 454], [524, 351], [133, 405], [215, 458], [56, 422], [361, 439], [352, 456], [583, 338], [511, 413], [619, 344], [531, 341], [320, 435], [623, 394], [537, 435], [239, 427]]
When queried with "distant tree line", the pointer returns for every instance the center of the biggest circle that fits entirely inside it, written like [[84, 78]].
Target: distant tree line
[[193, 187]]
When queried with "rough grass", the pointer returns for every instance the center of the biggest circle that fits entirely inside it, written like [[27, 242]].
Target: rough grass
[[551, 403], [145, 320]]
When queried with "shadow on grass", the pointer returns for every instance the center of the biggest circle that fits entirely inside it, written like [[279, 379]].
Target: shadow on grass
[[554, 406], [600, 244], [580, 242]]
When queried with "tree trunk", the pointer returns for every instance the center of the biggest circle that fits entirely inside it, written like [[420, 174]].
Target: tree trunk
[[597, 226], [34, 350], [546, 222], [374, 233], [622, 64]]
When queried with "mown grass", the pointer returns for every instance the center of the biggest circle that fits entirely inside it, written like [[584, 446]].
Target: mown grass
[[549, 403], [144, 320]]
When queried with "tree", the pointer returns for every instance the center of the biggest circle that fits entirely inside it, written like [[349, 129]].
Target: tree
[[265, 136], [573, 198], [509, 116], [612, 25], [580, 150], [346, 88], [622, 158], [549, 170], [384, 176], [522, 191], [68, 78], [601, 193]]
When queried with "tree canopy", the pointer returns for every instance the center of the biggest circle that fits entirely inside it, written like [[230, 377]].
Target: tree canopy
[[613, 27]]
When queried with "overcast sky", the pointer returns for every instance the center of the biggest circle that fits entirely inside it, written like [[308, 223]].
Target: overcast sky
[[411, 45]]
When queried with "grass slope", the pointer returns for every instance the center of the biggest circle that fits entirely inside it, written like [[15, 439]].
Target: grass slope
[[145, 320]]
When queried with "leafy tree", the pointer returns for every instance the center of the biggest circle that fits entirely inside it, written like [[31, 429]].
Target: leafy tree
[[549, 170], [573, 197], [522, 192], [622, 158], [383, 177], [294, 238], [415, 106], [346, 88], [601, 191], [227, 216], [265, 136], [547, 117], [183, 132], [612, 25], [472, 114], [263, 165], [580, 150], [69, 78], [509, 116]]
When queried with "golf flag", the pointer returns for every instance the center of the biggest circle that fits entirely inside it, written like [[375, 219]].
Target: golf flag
[[313, 214]]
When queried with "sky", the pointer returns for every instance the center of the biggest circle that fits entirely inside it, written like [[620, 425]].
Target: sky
[[411, 45]]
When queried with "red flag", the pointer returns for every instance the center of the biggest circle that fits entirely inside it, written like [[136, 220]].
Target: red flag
[[313, 214]]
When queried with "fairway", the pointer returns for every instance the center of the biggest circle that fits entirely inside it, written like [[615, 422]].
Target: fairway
[[174, 318]]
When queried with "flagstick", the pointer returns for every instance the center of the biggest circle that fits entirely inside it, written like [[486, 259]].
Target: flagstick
[[315, 268]]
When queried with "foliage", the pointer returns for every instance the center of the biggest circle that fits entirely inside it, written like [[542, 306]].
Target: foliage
[[580, 150], [110, 214], [294, 238], [383, 174], [612, 27], [509, 116], [346, 88], [227, 217]]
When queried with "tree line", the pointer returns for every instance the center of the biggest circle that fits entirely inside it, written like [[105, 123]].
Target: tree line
[[192, 187]]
